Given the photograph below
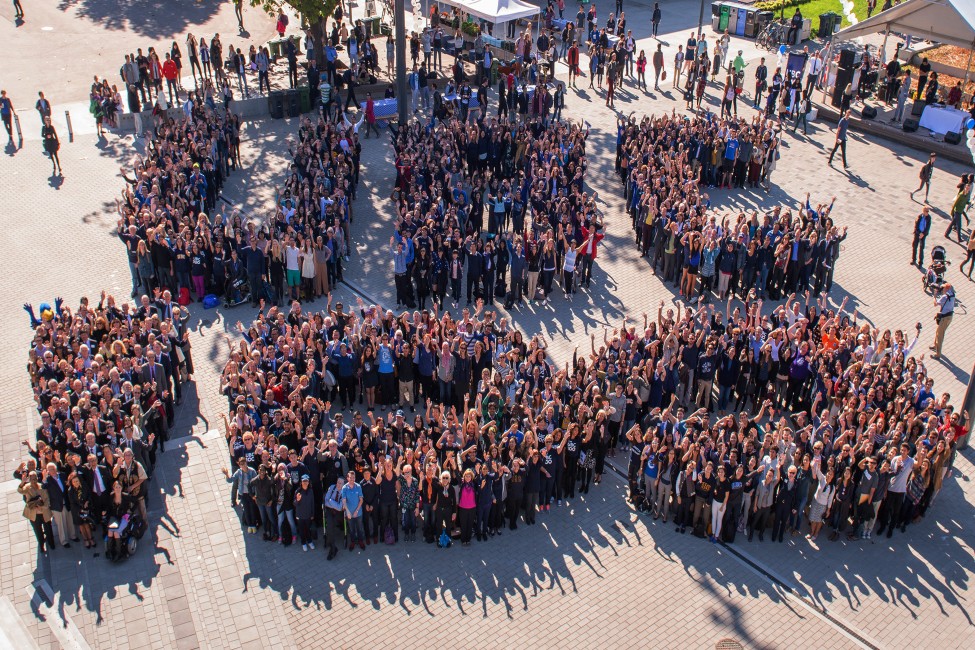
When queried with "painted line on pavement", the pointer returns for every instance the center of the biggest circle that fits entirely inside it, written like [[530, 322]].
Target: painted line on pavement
[[60, 623], [848, 631]]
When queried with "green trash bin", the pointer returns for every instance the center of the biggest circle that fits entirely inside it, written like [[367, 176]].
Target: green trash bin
[[275, 47], [371, 25], [725, 17], [829, 22], [304, 95]]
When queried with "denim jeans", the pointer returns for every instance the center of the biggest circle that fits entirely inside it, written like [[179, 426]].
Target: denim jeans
[[409, 521], [356, 532], [724, 394], [290, 516], [268, 520], [795, 521]]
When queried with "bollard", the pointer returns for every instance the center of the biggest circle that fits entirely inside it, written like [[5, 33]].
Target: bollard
[[20, 134], [67, 118]]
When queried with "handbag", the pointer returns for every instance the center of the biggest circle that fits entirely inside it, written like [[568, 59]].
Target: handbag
[[663, 76]]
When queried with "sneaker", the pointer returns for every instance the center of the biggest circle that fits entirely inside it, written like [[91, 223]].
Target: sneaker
[[304, 547], [311, 545]]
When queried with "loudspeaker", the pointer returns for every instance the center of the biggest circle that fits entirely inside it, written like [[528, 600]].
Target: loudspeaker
[[293, 103], [844, 76], [911, 125], [851, 58], [275, 103], [918, 106], [869, 113], [953, 138]]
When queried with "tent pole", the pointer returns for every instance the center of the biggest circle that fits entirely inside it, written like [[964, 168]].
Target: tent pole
[[968, 67], [883, 48], [825, 69]]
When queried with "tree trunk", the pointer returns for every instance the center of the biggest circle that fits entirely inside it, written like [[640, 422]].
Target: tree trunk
[[317, 31]]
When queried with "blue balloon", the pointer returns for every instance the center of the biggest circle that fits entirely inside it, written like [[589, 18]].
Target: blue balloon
[[970, 124], [782, 49]]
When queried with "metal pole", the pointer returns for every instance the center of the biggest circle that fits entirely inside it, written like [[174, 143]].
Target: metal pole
[[399, 24], [20, 134], [968, 67], [700, 20], [67, 118]]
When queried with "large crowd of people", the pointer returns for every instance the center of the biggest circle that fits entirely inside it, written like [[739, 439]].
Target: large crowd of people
[[106, 380], [440, 417], [665, 165], [729, 422]]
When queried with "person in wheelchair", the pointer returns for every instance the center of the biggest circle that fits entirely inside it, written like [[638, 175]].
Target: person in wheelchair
[[124, 525]]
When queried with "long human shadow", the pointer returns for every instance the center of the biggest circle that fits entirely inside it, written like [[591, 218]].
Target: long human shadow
[[499, 579]]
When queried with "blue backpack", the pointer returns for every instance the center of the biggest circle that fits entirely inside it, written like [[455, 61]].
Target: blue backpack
[[444, 541], [210, 301]]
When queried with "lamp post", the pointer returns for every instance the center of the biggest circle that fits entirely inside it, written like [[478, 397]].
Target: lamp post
[[700, 20], [399, 24]]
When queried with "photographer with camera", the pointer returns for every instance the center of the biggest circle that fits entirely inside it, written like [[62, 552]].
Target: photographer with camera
[[945, 300]]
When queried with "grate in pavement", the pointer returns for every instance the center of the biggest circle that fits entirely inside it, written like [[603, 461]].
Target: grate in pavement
[[728, 644]]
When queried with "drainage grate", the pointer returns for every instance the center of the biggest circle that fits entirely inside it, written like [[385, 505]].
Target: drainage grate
[[728, 644]]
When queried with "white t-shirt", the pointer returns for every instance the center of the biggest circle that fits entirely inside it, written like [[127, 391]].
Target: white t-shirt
[[570, 260], [291, 254]]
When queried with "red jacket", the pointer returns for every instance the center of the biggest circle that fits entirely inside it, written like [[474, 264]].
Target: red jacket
[[370, 111], [169, 70], [598, 237], [572, 57]]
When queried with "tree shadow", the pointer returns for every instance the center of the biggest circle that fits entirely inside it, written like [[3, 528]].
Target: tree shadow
[[149, 18]]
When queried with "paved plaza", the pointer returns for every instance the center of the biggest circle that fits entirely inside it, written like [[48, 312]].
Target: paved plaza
[[595, 573]]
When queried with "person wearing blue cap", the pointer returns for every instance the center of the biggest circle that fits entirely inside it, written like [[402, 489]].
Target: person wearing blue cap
[[305, 511]]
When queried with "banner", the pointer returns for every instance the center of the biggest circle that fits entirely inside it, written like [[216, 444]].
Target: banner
[[795, 66]]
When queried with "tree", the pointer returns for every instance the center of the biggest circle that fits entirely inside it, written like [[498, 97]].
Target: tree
[[313, 16]]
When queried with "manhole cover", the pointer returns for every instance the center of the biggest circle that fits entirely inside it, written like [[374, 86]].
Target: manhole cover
[[728, 644]]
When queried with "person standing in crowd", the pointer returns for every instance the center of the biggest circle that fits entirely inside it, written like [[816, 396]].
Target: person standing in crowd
[[37, 510]]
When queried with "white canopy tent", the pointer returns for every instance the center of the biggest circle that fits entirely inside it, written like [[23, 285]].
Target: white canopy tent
[[951, 22], [496, 12]]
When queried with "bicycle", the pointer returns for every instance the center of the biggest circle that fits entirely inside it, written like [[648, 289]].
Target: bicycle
[[772, 36]]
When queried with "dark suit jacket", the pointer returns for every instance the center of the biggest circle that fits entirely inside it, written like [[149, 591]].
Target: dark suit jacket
[[57, 496], [89, 477], [160, 375], [920, 232]]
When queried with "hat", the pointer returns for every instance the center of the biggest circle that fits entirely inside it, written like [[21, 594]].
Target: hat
[[399, 413], [305, 477]]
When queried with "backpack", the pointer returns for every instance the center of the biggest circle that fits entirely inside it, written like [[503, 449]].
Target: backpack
[[389, 537], [444, 541]]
